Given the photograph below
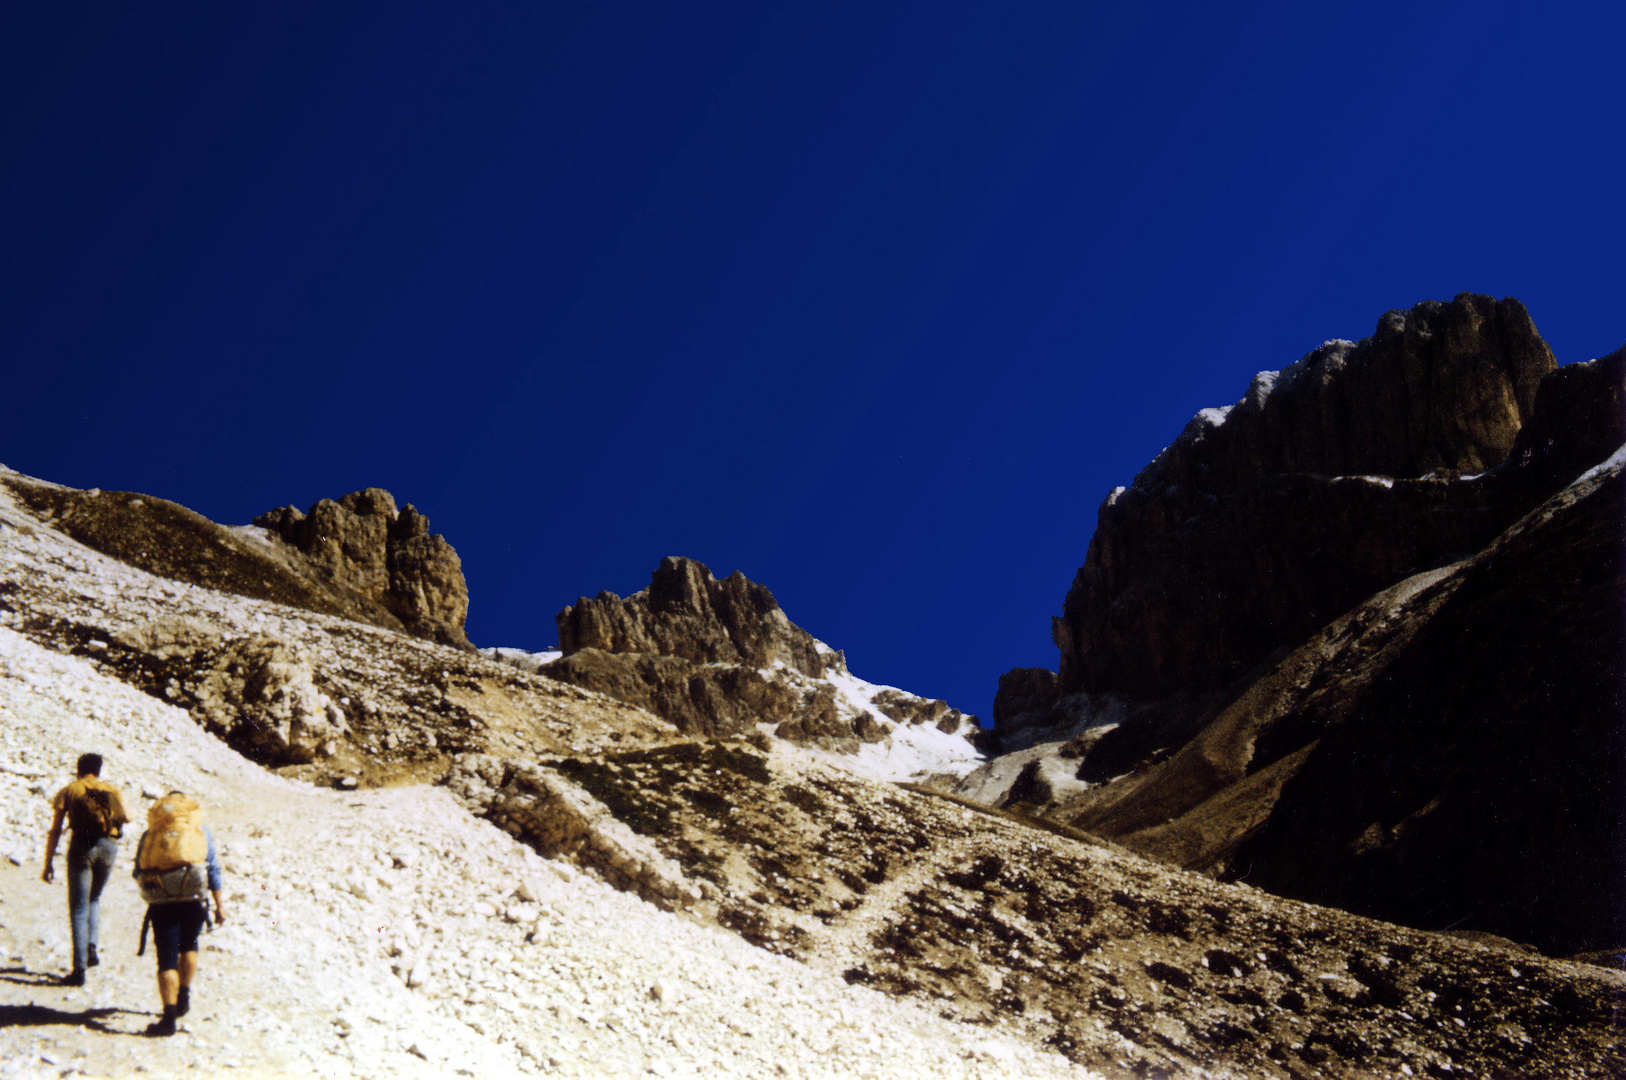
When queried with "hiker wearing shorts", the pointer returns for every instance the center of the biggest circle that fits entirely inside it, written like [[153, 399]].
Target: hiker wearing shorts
[[175, 861], [95, 816]]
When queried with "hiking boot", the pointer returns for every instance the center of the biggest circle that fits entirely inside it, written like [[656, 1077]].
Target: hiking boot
[[161, 1028], [76, 977], [92, 960], [183, 1001]]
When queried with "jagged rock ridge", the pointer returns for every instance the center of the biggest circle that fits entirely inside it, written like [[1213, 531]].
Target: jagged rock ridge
[[1326, 482], [356, 558], [721, 658], [363, 547], [687, 613]]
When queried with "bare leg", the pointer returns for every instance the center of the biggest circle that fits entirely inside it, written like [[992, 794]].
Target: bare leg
[[188, 968], [169, 982]]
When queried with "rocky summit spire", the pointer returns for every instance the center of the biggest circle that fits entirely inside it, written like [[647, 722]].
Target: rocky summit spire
[[688, 613], [363, 547]]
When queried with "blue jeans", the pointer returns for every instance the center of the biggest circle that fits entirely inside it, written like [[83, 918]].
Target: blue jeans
[[87, 873]]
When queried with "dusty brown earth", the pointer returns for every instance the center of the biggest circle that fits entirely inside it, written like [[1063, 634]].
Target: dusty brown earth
[[997, 919]]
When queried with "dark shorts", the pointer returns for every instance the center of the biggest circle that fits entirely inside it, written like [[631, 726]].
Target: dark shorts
[[175, 929]]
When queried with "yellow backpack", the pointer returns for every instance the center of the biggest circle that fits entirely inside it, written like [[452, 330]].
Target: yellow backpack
[[171, 861], [174, 835]]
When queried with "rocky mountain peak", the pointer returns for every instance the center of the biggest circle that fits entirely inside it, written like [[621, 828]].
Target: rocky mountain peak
[[1357, 639], [720, 658], [1328, 480], [687, 613], [1441, 389]]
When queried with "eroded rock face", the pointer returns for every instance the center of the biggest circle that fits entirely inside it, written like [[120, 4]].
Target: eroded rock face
[[1434, 754], [1484, 766], [1328, 481], [687, 613], [720, 658], [699, 699], [1025, 697], [260, 695], [363, 546]]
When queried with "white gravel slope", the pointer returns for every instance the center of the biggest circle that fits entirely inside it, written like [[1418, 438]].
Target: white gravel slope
[[338, 900]]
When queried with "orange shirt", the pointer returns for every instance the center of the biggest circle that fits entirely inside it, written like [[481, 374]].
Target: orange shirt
[[79, 791]]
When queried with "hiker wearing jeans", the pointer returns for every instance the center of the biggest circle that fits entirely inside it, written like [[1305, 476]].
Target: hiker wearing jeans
[[175, 863], [95, 816]]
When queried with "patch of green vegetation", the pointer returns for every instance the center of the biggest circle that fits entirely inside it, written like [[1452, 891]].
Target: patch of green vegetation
[[740, 762], [803, 799], [633, 804], [707, 802]]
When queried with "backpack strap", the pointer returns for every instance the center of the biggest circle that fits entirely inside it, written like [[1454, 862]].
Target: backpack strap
[[146, 924]]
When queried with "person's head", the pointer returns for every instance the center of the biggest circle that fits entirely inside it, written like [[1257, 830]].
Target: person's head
[[90, 764]]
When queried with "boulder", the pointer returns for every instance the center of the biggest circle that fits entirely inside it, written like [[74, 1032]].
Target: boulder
[[260, 696]]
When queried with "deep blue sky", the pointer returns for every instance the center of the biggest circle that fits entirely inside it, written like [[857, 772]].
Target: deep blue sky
[[874, 302]]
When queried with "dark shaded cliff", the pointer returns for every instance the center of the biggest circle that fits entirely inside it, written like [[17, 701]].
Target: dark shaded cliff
[[1397, 695], [1329, 480]]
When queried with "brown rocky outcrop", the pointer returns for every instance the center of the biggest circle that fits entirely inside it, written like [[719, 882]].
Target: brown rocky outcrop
[[687, 613], [363, 547], [717, 658], [356, 558], [711, 699], [1328, 481]]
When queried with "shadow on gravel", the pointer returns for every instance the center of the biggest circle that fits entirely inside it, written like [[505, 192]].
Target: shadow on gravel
[[42, 1015], [29, 978]]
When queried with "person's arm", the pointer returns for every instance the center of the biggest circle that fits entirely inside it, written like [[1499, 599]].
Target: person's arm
[[214, 878], [51, 839], [120, 817]]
